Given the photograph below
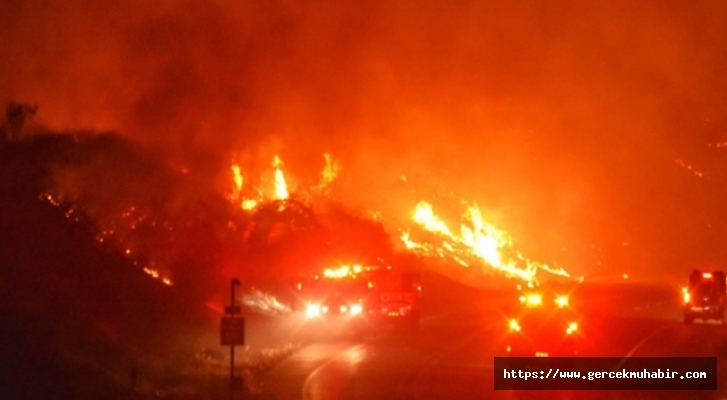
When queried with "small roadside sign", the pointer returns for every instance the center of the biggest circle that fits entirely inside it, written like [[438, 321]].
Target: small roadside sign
[[232, 331], [238, 383]]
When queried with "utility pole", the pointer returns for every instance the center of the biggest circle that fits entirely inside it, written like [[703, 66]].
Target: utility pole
[[232, 332]]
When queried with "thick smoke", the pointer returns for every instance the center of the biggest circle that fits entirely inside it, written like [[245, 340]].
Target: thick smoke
[[563, 120]]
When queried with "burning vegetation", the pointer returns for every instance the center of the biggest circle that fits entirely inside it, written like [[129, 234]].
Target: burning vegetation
[[173, 225], [478, 243]]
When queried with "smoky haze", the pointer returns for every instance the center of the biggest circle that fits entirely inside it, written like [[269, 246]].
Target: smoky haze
[[581, 129]]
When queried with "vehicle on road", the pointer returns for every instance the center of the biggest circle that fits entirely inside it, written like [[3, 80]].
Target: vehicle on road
[[371, 293], [334, 293], [393, 296], [544, 323], [704, 297]]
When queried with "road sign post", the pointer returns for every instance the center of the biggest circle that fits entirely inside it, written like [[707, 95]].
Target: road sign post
[[232, 332]]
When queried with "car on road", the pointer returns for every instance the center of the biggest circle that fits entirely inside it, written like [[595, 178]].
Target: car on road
[[704, 298]]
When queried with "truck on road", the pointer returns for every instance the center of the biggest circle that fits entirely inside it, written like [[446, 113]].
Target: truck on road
[[704, 297], [377, 294]]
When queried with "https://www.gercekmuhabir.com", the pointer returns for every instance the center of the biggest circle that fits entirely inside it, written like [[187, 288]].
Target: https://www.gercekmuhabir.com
[[591, 375], [606, 373]]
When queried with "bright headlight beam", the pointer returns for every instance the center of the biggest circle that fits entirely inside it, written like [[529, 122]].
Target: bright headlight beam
[[312, 311], [533, 300]]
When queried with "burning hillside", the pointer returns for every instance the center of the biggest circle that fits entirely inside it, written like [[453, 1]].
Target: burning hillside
[[179, 226], [478, 244], [263, 221]]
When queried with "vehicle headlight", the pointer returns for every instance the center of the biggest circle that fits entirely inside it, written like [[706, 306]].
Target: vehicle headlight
[[356, 309], [572, 327], [532, 300], [514, 325], [561, 301], [312, 310]]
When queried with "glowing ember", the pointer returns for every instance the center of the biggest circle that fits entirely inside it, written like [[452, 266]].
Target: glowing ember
[[477, 239], [126, 221], [50, 199], [152, 272], [156, 275], [690, 168]]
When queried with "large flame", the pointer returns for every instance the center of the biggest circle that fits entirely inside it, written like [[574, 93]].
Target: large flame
[[476, 240], [237, 177], [281, 187], [235, 194], [424, 216], [249, 197]]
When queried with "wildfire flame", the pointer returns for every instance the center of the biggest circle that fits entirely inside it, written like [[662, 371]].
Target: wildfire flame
[[250, 198], [424, 215], [476, 239], [237, 196], [281, 187], [329, 173], [237, 178], [344, 271], [249, 204]]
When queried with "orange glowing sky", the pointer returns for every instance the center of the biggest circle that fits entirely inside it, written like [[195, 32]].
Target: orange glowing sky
[[564, 121]]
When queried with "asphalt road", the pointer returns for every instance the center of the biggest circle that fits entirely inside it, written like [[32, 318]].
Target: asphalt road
[[451, 355]]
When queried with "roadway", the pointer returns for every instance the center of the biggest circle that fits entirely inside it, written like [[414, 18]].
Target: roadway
[[451, 355]]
